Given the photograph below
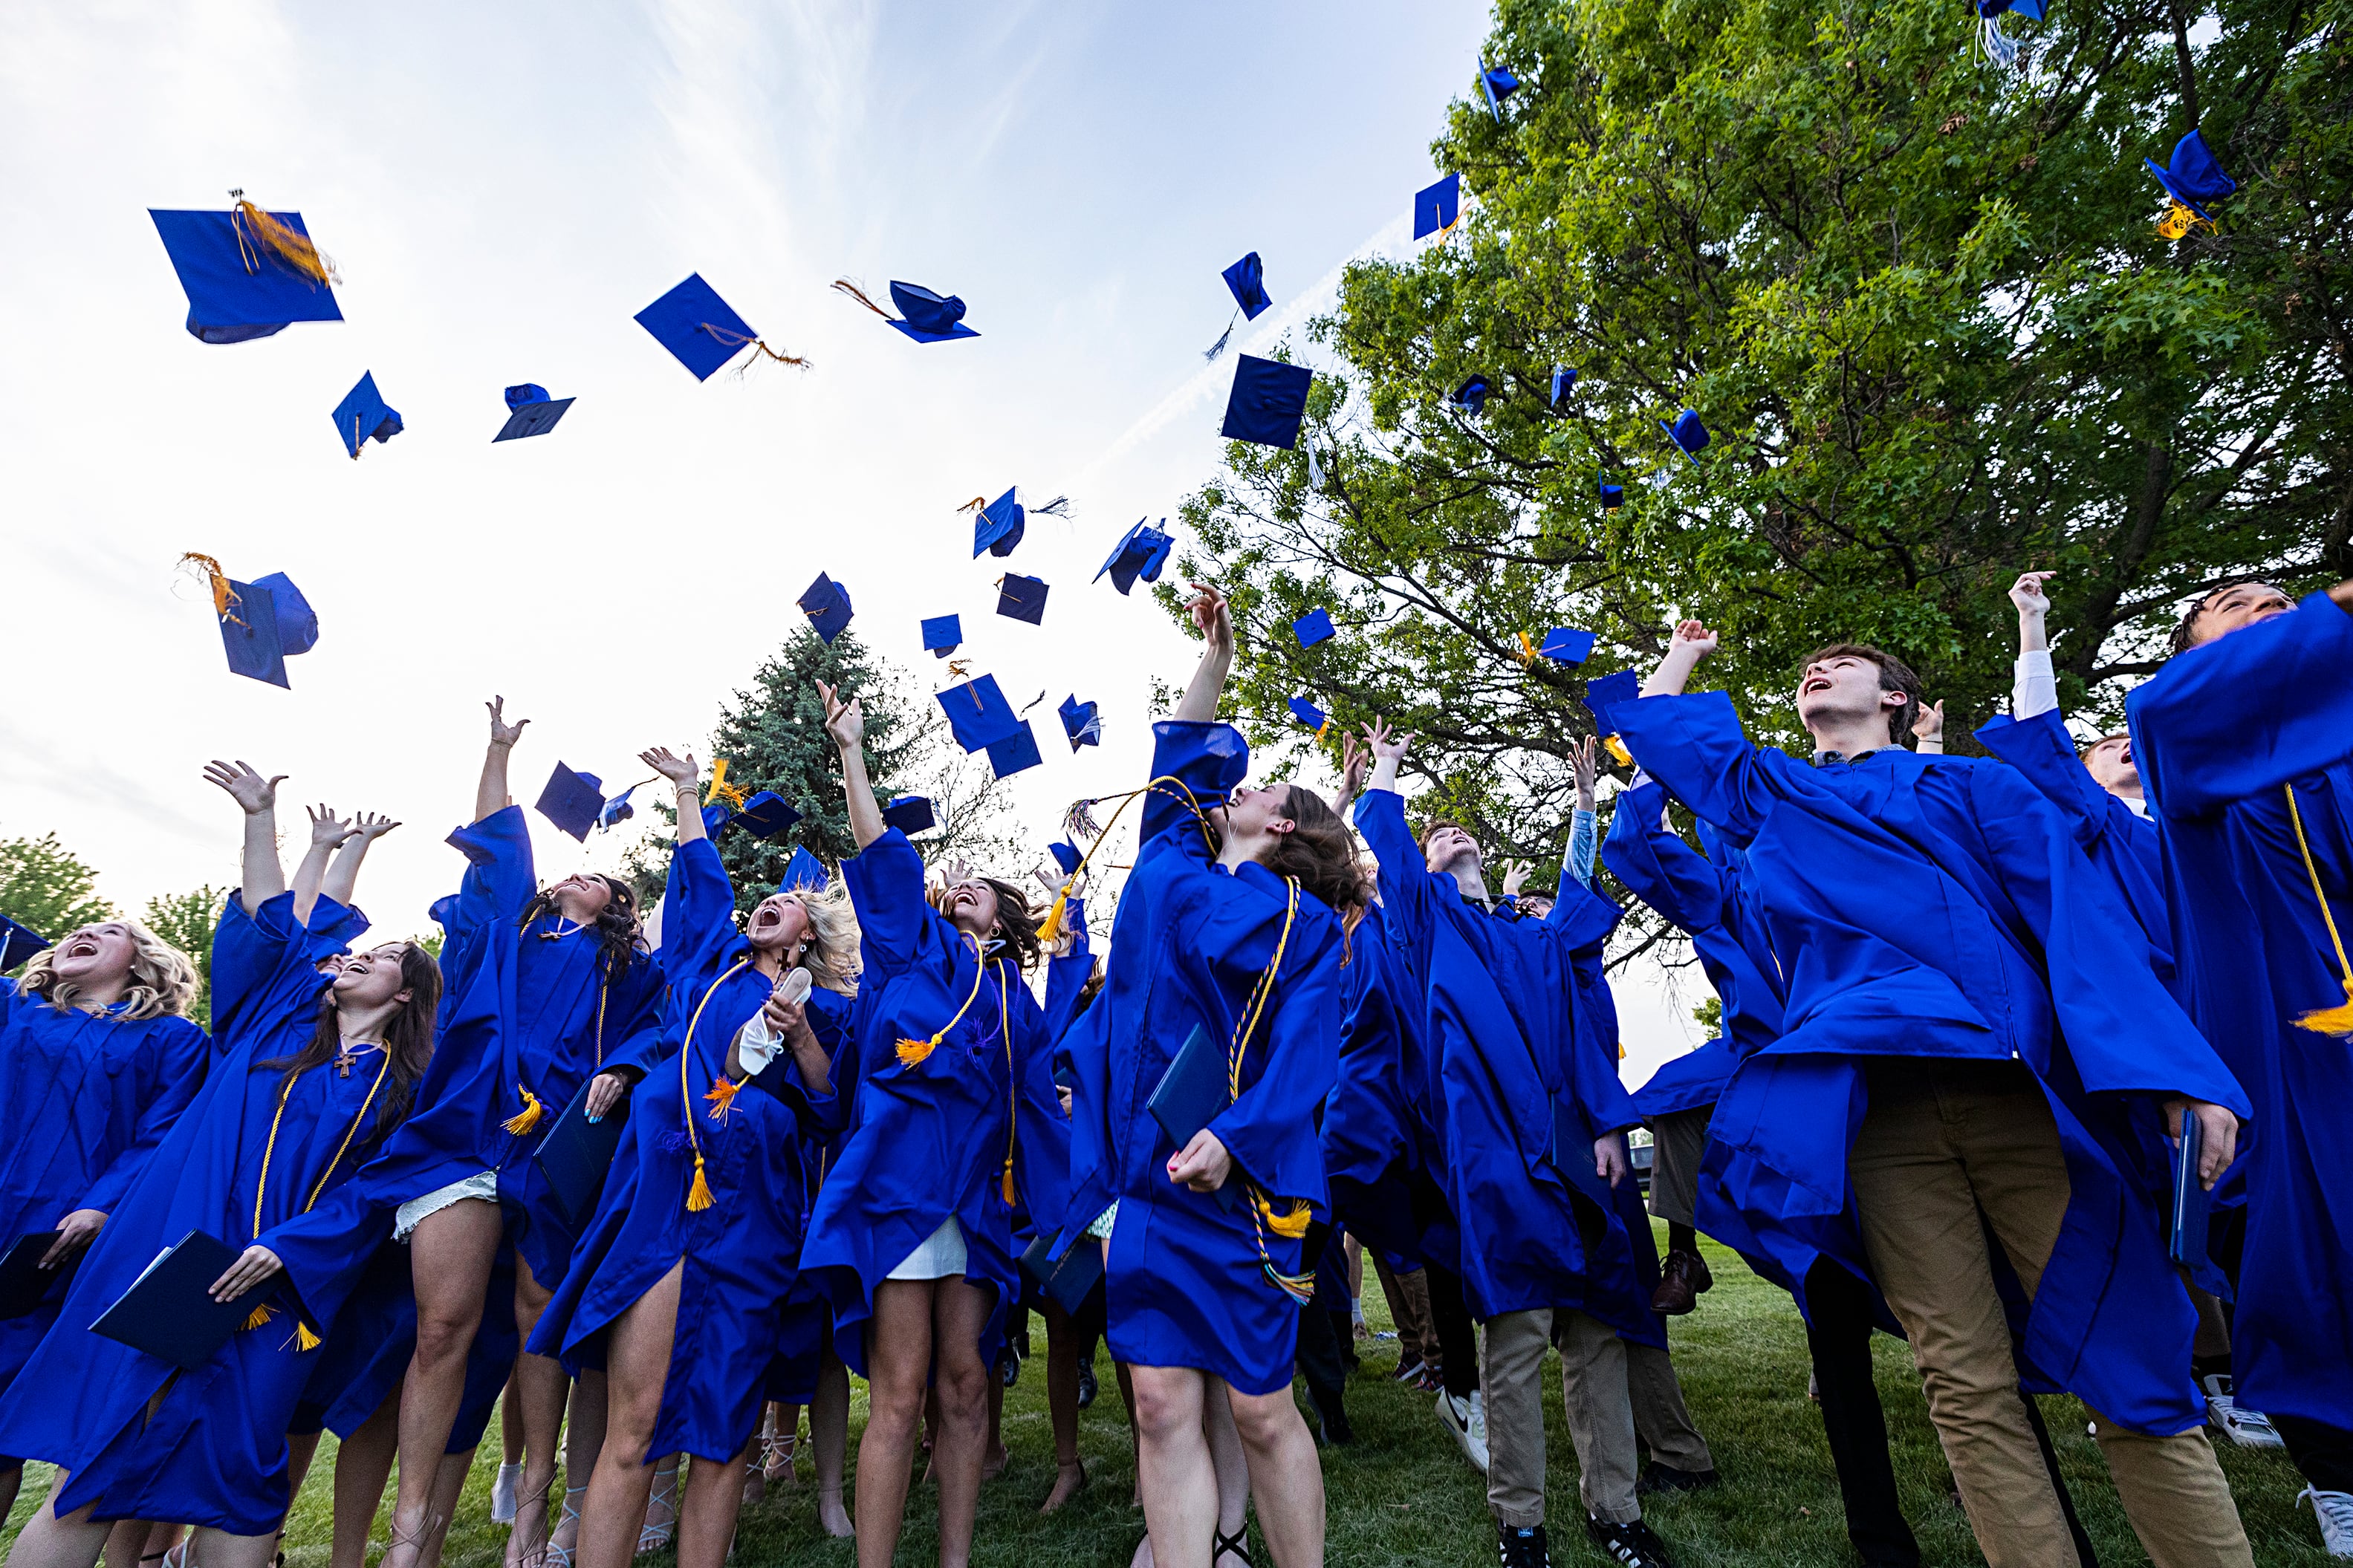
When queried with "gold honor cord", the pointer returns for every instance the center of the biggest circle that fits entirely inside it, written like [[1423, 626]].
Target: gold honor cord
[[2337, 1021], [303, 1338], [1012, 1082], [1051, 929], [1299, 1288], [523, 1120], [698, 1196]]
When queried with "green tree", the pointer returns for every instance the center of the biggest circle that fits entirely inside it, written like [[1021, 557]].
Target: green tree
[[1920, 302], [44, 885], [186, 921]]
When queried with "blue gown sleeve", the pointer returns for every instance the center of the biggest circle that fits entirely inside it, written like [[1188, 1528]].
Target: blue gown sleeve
[[819, 1115], [1261, 1129], [265, 966], [886, 888], [1656, 867], [1193, 765], [698, 915], [2045, 754], [1408, 890], [2247, 712], [633, 1020], [173, 1065], [1694, 745], [499, 877]]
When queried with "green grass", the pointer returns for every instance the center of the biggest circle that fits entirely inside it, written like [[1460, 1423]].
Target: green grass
[[1401, 1494]]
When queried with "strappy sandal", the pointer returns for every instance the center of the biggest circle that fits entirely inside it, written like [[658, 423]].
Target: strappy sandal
[[1235, 1545], [652, 1537], [777, 1452], [534, 1507], [418, 1541], [561, 1556]]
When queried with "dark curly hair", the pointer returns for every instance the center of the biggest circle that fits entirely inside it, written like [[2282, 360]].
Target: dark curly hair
[[620, 935], [1016, 923], [407, 1039], [1320, 854]]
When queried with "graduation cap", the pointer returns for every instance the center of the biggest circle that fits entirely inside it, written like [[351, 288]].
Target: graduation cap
[[1081, 722], [1023, 598], [247, 273], [17, 943], [767, 814], [573, 801], [1604, 694], [1562, 645], [1269, 400], [1499, 84], [1142, 552], [2193, 179], [909, 814], [297, 624], [999, 525], [1688, 434], [923, 315], [1998, 44], [803, 872], [1563, 376], [262, 622], [1066, 856], [1313, 627], [1013, 753], [1471, 394], [943, 635], [617, 809], [827, 605], [1436, 206], [1612, 496], [1308, 714], [977, 712], [529, 412], [364, 415], [1247, 278], [701, 331]]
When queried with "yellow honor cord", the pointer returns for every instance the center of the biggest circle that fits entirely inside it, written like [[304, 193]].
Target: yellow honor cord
[[2336, 1021], [914, 1053], [1051, 928], [526, 1119], [1012, 1085], [1299, 1288], [261, 1314], [698, 1196]]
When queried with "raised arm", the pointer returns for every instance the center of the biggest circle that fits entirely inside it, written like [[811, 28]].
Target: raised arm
[[2036, 688], [1355, 761], [1690, 643], [491, 794], [684, 773], [327, 834], [1215, 620], [262, 877], [846, 723], [344, 876], [1584, 828], [1388, 755]]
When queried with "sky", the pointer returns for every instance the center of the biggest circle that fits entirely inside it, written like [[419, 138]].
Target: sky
[[502, 188]]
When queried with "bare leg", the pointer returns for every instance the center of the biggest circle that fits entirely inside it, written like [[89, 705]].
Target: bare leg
[[449, 1490], [898, 1357], [126, 1540], [535, 1396], [161, 1539], [959, 1313], [584, 1437], [1125, 1377], [1062, 1406], [637, 1365], [1174, 1469], [48, 1542], [12, 1481], [301, 1448], [707, 1514], [362, 1467], [776, 1455], [218, 1549], [662, 1506], [450, 1253], [994, 1459], [1285, 1476], [1225, 1453], [829, 1436]]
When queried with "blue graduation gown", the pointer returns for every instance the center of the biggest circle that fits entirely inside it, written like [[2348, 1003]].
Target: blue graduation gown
[[84, 1100], [930, 1139], [804, 1323], [1380, 1140], [1940, 908], [1185, 1283], [742, 1253], [212, 1451], [2220, 734]]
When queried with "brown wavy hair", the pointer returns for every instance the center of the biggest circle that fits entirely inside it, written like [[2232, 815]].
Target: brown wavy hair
[[1894, 675], [1016, 923], [620, 936], [407, 1039], [1320, 854]]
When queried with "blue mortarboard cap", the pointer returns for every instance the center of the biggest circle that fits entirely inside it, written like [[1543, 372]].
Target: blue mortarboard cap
[[1313, 627], [1567, 644], [249, 633], [1310, 715], [1247, 278], [1269, 400], [803, 872], [716, 816], [1436, 206], [1081, 722], [1066, 856], [1563, 376], [943, 635], [1471, 394], [364, 415], [977, 712], [1142, 552], [238, 284], [999, 526], [17, 943], [1612, 496], [1687, 433], [1015, 753], [297, 624], [2192, 177], [1607, 692], [827, 604], [929, 318], [1023, 598], [695, 325], [767, 814], [618, 810], [909, 814], [531, 412], [1500, 84], [573, 801]]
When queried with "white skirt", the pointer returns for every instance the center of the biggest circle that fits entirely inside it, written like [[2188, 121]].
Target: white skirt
[[410, 1214], [941, 1255]]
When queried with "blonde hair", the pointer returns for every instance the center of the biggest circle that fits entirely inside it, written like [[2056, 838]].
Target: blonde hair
[[830, 954], [163, 979]]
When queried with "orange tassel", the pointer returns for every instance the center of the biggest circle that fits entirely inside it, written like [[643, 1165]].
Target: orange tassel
[[854, 292], [977, 503], [258, 1317], [1011, 1195], [223, 595], [289, 247], [698, 1196], [526, 1119], [1617, 748], [721, 1096], [913, 1053], [2337, 1021]]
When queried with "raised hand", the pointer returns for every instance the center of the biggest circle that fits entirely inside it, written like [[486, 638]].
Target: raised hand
[[1515, 877], [502, 732], [245, 787], [1694, 637], [1929, 723], [327, 831], [1213, 618], [954, 871], [2028, 593], [1385, 744], [1585, 761], [845, 721], [369, 827], [681, 771], [1354, 759]]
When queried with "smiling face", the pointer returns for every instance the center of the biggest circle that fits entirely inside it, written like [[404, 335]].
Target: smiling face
[[581, 898], [95, 957], [1841, 687], [780, 924], [371, 979], [2235, 608], [970, 906], [1255, 813], [2110, 764]]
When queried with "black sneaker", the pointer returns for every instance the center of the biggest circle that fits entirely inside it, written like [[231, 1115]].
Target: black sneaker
[[1659, 1477], [1631, 1544], [1009, 1367], [1086, 1384], [1517, 1548]]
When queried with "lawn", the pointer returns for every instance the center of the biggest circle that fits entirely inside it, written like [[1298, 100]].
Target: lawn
[[1401, 1494]]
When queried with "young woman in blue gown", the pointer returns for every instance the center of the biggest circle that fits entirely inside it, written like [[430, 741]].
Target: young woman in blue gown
[[1230, 927], [315, 1070], [677, 1281]]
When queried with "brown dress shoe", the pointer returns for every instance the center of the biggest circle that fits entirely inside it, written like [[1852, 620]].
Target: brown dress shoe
[[1682, 1278]]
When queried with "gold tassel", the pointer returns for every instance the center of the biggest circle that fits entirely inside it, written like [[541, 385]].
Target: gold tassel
[[290, 246], [721, 1096], [304, 1340], [223, 595], [1293, 1224], [735, 340], [258, 1317], [854, 292], [1527, 650], [2337, 1021], [1051, 929], [1011, 1197], [721, 789], [2178, 221], [913, 1053], [698, 1196], [1617, 748], [526, 1119], [977, 503]]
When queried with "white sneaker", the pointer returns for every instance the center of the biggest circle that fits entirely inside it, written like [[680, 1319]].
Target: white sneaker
[[2247, 1428], [502, 1494], [2335, 1511], [1467, 1421]]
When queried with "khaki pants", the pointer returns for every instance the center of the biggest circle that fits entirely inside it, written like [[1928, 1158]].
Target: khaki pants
[[1942, 1143], [1409, 1299], [1610, 1391]]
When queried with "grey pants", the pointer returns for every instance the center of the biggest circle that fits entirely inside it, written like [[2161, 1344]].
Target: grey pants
[[1610, 1391], [1678, 1142]]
